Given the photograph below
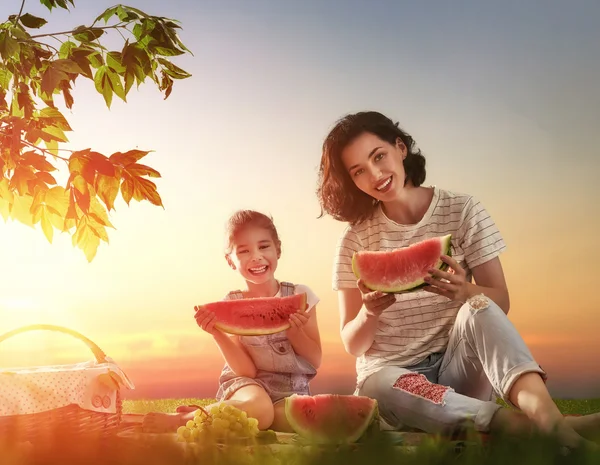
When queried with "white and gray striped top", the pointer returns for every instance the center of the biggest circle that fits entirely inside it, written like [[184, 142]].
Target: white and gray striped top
[[418, 324]]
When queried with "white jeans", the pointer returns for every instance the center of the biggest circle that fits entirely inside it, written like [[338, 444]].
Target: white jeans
[[485, 354]]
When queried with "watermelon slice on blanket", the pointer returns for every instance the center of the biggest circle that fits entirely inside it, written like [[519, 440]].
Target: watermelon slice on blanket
[[256, 316], [401, 270], [331, 418]]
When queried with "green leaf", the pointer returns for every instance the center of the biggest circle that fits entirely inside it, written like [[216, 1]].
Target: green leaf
[[52, 147], [55, 133], [56, 117], [5, 77], [116, 85], [102, 83], [125, 15], [96, 60], [164, 51], [15, 108], [19, 33], [48, 4], [129, 78], [139, 12], [63, 3], [66, 49], [9, 47], [31, 21], [172, 70], [107, 14], [114, 61]]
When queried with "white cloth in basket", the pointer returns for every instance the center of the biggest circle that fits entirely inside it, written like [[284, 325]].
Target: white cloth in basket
[[91, 385]]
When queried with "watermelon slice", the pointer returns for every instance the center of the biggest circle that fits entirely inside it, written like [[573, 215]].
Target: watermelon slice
[[256, 316], [330, 418], [401, 270]]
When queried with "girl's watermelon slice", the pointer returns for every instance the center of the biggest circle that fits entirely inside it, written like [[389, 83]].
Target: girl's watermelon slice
[[401, 270], [256, 316], [331, 418]]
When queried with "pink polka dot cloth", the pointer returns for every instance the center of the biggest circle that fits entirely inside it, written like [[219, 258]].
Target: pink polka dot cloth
[[91, 385]]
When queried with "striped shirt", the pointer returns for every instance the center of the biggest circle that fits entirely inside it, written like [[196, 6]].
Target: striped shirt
[[418, 324]]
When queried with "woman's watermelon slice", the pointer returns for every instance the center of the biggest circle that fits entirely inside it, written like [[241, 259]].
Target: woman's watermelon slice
[[401, 270], [256, 316], [331, 418]]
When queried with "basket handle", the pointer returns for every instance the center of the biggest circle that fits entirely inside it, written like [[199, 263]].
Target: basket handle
[[97, 351]]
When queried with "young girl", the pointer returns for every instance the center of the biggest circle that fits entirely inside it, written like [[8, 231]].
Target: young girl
[[432, 358], [260, 371]]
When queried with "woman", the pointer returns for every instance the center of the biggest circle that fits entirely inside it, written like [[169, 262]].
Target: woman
[[432, 358]]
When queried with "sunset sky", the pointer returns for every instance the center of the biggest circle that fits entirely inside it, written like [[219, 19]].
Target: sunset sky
[[502, 98]]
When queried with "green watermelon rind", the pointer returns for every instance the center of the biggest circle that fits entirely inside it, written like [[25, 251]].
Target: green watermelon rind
[[256, 331], [368, 425], [415, 285]]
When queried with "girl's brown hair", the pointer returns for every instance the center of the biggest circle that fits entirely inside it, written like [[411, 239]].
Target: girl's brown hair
[[244, 218], [337, 193]]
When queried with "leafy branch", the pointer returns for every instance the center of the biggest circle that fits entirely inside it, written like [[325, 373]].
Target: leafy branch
[[32, 74], [76, 31]]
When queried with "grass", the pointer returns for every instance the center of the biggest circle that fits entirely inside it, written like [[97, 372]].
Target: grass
[[378, 448], [566, 406], [161, 405]]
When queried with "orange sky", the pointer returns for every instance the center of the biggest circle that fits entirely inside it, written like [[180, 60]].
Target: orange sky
[[245, 132]]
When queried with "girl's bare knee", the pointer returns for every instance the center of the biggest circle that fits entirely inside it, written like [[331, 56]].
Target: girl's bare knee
[[255, 401]]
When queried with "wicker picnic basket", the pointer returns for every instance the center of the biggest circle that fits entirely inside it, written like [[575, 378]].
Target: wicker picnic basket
[[69, 420]]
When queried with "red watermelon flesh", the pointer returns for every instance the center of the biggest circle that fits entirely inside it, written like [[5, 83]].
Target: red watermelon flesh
[[401, 270], [330, 418], [256, 316]]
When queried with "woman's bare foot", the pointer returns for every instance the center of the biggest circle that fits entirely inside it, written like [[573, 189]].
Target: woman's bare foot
[[587, 426], [518, 423], [564, 432]]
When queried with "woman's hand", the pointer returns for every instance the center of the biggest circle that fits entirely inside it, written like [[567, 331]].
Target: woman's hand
[[375, 302], [451, 284]]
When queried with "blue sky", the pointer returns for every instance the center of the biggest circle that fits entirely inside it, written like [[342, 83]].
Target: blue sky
[[502, 97]]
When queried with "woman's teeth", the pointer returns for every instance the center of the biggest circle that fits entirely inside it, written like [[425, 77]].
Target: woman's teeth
[[385, 184]]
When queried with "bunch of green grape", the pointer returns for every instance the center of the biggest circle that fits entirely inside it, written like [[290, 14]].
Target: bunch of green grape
[[222, 423]]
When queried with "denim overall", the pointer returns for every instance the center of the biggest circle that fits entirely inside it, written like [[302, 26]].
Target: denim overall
[[280, 371]]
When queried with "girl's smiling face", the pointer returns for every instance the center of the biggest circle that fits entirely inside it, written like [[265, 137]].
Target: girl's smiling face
[[255, 254]]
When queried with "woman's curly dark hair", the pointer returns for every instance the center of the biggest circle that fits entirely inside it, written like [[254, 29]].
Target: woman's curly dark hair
[[337, 193]]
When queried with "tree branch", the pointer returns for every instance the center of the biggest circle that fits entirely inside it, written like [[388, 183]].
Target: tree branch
[[71, 32], [20, 12], [46, 151]]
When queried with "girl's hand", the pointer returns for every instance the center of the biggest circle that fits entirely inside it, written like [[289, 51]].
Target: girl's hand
[[298, 320], [205, 319], [451, 284], [375, 301]]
